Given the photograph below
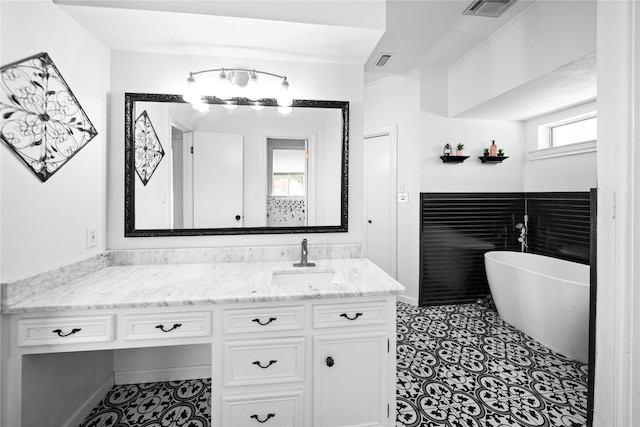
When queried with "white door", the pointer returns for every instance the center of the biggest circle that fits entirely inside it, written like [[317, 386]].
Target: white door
[[350, 380], [217, 180], [379, 167]]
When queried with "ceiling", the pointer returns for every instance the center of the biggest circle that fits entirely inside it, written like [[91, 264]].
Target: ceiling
[[418, 33], [432, 33], [342, 31]]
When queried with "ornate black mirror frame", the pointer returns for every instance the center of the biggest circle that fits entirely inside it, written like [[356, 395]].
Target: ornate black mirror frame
[[130, 173]]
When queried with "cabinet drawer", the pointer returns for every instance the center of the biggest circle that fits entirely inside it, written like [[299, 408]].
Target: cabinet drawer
[[167, 325], [334, 315], [65, 330], [263, 319], [263, 361], [283, 409]]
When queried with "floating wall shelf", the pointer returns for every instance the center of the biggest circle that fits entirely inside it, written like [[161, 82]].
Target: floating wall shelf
[[453, 159], [492, 159]]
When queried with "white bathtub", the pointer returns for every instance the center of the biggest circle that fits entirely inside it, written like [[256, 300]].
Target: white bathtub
[[546, 298]]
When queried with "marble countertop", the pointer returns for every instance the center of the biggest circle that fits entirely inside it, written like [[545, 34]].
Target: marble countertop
[[162, 285]]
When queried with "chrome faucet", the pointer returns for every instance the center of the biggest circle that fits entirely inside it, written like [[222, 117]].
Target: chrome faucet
[[303, 256], [523, 233]]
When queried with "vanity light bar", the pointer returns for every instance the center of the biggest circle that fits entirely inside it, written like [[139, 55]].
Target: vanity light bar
[[244, 79]]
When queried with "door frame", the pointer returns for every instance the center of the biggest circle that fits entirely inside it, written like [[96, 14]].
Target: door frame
[[392, 132], [311, 138], [187, 168]]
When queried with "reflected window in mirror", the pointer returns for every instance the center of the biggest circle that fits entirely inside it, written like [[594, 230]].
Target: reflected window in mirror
[[287, 163]]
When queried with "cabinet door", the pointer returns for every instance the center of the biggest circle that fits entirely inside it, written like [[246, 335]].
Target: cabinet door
[[350, 379]]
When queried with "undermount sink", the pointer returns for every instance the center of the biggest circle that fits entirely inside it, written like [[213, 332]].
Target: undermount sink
[[304, 278]]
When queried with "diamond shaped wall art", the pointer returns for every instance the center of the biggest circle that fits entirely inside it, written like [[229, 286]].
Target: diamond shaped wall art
[[41, 120], [149, 151]]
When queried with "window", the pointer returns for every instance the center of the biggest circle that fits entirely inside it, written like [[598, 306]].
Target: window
[[574, 132], [288, 184], [573, 135], [288, 166]]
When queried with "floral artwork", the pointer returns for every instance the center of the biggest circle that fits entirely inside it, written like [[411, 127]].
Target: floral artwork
[[148, 149], [41, 120]]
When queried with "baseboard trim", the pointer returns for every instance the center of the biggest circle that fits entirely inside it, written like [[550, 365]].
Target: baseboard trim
[[92, 401], [162, 374], [408, 300]]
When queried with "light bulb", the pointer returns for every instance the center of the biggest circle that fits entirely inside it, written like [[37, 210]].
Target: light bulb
[[224, 88], [191, 91], [284, 98], [252, 89]]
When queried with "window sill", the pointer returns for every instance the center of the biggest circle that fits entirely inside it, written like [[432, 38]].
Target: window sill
[[566, 150]]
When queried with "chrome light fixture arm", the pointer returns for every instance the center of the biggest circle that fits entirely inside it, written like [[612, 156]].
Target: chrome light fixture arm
[[246, 70], [232, 80]]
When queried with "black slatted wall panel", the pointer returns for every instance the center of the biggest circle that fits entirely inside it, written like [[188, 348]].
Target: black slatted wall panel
[[560, 225], [456, 230]]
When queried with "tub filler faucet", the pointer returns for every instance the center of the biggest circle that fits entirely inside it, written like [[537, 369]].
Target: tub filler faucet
[[523, 234], [303, 256]]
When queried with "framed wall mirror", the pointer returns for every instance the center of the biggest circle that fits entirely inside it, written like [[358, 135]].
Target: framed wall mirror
[[234, 168]]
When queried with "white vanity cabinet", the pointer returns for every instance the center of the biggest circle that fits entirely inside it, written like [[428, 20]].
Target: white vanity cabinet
[[312, 363], [281, 355]]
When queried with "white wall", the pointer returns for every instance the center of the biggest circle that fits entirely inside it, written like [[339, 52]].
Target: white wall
[[158, 73], [567, 173], [44, 224], [417, 102], [472, 175], [523, 50], [390, 102]]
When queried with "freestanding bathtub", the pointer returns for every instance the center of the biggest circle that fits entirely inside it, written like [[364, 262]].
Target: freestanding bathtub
[[546, 298]]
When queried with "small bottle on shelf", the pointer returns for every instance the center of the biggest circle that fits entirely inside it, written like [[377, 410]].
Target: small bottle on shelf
[[493, 150]]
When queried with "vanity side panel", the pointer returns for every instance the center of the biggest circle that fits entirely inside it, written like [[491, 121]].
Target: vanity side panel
[[74, 377]]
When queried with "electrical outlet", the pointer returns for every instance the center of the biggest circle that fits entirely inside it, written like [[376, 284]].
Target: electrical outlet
[[92, 237]]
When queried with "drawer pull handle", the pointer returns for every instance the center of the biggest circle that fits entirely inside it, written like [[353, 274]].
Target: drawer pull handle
[[330, 361], [269, 416], [258, 363], [259, 322], [60, 334], [175, 326], [346, 316]]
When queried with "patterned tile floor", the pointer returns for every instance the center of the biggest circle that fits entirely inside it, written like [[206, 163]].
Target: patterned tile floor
[[457, 365], [461, 365], [162, 404]]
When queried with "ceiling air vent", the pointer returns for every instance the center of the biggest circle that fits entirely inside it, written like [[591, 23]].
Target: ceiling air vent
[[382, 59], [490, 8]]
